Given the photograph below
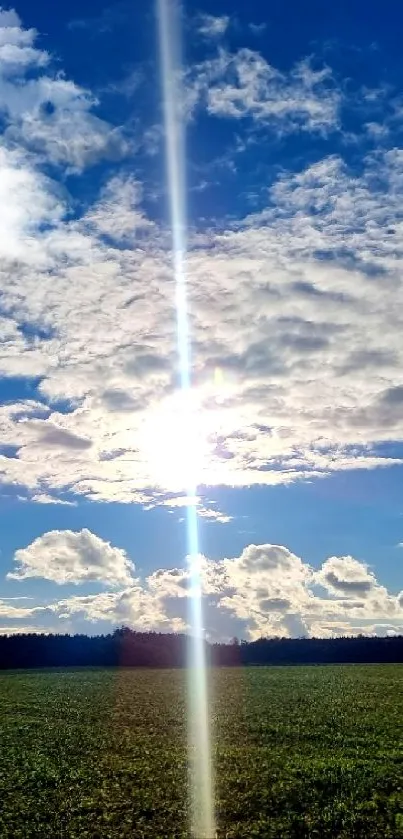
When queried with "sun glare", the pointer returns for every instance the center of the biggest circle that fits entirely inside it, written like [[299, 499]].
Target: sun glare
[[175, 441], [179, 443]]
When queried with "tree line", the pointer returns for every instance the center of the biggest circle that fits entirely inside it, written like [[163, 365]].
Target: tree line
[[127, 648]]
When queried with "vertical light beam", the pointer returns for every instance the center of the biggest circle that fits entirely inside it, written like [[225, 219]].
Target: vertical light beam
[[202, 810]]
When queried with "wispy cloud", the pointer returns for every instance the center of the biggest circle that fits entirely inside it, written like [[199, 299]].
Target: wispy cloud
[[44, 498], [258, 28], [242, 84], [110, 18], [127, 85], [211, 26]]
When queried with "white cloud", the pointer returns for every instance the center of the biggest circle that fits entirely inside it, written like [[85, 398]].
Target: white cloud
[[65, 556], [170, 582], [49, 114], [214, 515], [346, 576], [242, 84], [268, 590], [295, 316], [118, 214], [17, 51], [265, 591], [28, 200], [22, 630], [111, 345], [9, 19], [207, 510], [10, 612], [134, 607], [336, 630], [211, 26], [43, 498]]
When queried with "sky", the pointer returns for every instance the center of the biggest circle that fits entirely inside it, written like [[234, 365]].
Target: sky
[[294, 195]]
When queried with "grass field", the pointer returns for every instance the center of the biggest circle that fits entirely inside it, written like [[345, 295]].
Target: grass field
[[299, 752]]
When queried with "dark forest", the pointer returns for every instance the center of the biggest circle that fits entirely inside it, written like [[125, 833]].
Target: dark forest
[[127, 648]]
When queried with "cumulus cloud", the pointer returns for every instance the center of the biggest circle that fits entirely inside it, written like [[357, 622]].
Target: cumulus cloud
[[267, 586], [134, 607], [65, 556], [346, 575], [265, 591]]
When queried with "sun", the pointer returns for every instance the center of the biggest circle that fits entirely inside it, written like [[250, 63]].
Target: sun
[[176, 442]]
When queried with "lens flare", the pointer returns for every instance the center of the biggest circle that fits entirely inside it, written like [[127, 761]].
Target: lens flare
[[202, 814]]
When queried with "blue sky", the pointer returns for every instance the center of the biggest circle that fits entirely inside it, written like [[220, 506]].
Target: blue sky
[[294, 181]]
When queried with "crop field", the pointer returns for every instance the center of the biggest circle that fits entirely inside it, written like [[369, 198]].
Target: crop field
[[298, 752]]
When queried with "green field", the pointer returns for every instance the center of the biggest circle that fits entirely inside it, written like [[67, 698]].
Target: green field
[[299, 752]]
